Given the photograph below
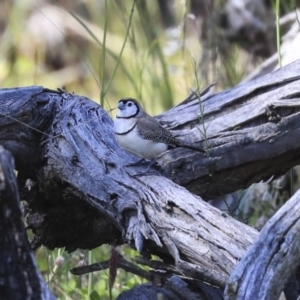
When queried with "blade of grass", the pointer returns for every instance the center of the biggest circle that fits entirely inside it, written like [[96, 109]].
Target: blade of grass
[[166, 92], [122, 49], [90, 276], [277, 13], [102, 68], [109, 52]]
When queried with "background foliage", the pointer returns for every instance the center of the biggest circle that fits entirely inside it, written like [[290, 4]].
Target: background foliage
[[59, 44], [155, 51]]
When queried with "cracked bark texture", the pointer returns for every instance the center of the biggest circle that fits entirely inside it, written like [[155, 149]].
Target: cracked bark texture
[[271, 260], [251, 133], [19, 276], [84, 191]]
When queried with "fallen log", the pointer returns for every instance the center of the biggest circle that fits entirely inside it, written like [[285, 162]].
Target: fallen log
[[81, 181]]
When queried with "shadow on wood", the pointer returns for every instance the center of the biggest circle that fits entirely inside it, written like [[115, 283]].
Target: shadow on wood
[[19, 276]]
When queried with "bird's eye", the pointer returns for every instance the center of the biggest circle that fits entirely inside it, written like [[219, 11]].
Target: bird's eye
[[129, 104]]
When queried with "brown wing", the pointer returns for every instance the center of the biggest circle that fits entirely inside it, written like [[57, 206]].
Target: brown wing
[[150, 129]]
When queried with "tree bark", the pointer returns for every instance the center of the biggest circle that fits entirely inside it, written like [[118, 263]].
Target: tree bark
[[269, 263], [19, 276], [82, 182], [251, 133], [98, 193]]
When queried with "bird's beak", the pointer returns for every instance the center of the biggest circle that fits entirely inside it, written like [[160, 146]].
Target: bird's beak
[[121, 106]]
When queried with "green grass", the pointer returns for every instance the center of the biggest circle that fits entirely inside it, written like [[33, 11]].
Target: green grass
[[116, 54], [55, 266]]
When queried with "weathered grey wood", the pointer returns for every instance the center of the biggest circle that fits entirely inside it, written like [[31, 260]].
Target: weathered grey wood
[[19, 276], [149, 291], [269, 263], [86, 191], [244, 146]]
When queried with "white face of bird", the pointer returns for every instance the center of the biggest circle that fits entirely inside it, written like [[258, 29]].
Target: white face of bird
[[128, 108]]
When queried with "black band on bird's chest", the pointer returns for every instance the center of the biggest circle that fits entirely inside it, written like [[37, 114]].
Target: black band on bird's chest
[[123, 133]]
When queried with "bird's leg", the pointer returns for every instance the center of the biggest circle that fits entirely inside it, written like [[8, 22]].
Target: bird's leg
[[151, 163], [139, 162], [143, 161]]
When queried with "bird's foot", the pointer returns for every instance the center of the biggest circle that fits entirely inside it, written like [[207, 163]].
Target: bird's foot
[[152, 167]]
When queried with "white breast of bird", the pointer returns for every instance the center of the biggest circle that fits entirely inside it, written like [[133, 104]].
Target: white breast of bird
[[133, 142]]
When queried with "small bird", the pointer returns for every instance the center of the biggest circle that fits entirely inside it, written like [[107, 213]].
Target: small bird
[[141, 134]]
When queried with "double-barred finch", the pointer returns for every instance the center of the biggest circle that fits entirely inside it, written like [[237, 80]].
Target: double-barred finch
[[141, 134]]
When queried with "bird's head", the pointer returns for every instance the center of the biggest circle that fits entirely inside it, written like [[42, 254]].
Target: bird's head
[[128, 108]]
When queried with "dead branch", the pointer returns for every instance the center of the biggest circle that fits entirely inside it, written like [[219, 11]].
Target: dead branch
[[85, 191], [19, 276]]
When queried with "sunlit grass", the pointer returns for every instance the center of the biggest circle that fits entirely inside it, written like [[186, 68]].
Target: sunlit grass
[[142, 70]]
